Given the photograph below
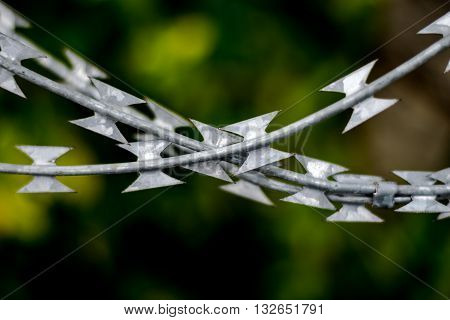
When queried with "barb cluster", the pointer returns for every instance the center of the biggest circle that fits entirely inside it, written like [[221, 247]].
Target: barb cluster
[[239, 153]]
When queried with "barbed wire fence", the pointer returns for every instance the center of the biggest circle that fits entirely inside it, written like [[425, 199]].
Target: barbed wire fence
[[240, 154]]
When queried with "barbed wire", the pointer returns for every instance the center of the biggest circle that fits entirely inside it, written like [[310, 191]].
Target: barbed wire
[[239, 150]]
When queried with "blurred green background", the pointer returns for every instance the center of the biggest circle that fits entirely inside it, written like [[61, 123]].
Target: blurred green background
[[220, 62]]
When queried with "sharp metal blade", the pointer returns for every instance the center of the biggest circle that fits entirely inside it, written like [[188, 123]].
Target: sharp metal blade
[[368, 109], [252, 128], [146, 150], [166, 118], [354, 213], [416, 178], [209, 168], [102, 125], [43, 155], [420, 204], [312, 198], [444, 215], [318, 168], [443, 176], [423, 204], [8, 83], [15, 50], [261, 157], [215, 137], [353, 82], [9, 21], [82, 68], [150, 180], [440, 26], [248, 191], [45, 184], [114, 96]]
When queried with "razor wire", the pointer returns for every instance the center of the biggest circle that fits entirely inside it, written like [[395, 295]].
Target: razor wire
[[242, 150]]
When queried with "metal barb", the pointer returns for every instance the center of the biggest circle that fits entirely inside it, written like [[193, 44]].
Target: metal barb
[[14, 51], [8, 83], [44, 156], [166, 118], [101, 125], [353, 83], [213, 137], [114, 96], [9, 20], [148, 150], [354, 213], [317, 169], [251, 129], [442, 176], [440, 26], [248, 191], [17, 51], [420, 204]]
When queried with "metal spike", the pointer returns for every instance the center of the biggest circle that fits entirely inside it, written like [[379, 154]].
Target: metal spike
[[150, 180], [353, 82], [423, 204], [440, 26], [312, 198], [261, 157], [248, 191], [9, 21], [354, 213], [444, 215], [209, 168], [102, 125], [16, 51], [166, 118], [114, 96], [215, 137], [369, 107], [416, 177], [8, 83], [44, 156], [443, 176], [367, 110], [318, 168], [83, 69], [45, 184], [148, 150], [420, 204], [252, 128]]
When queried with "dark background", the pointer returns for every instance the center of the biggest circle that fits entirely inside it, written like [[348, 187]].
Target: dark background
[[220, 62]]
